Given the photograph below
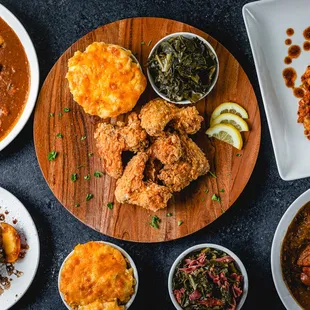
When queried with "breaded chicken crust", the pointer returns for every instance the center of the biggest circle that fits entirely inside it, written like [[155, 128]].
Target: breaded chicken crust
[[105, 80], [112, 140]]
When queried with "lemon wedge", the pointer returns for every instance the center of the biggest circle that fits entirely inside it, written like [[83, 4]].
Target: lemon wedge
[[232, 119], [229, 107], [226, 133]]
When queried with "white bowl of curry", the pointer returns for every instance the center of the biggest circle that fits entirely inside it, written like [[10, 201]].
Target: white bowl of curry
[[19, 77], [290, 255]]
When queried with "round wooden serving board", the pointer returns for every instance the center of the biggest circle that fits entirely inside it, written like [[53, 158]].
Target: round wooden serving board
[[193, 205]]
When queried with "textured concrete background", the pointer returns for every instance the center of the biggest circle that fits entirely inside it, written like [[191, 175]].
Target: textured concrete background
[[247, 228]]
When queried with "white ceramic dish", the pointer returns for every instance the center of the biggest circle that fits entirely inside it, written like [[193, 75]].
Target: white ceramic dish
[[23, 36], [29, 264], [186, 35], [131, 262], [286, 297], [214, 246], [266, 23]]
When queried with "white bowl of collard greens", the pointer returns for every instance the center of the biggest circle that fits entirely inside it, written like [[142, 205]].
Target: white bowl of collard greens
[[183, 68], [208, 276]]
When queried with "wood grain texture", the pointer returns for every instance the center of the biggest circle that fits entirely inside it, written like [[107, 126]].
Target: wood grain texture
[[193, 205]]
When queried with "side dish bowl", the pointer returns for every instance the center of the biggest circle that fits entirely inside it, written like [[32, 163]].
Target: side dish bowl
[[24, 38], [189, 36], [131, 262], [216, 247], [276, 268]]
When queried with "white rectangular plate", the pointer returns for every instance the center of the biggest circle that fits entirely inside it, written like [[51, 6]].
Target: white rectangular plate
[[266, 22]]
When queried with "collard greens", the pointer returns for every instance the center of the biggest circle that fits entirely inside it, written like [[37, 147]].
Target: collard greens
[[183, 68]]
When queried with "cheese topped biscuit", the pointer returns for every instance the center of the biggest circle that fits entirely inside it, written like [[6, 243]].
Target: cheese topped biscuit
[[105, 80]]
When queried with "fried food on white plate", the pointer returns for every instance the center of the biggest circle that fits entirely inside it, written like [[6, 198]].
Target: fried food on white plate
[[112, 140], [105, 79], [192, 164], [131, 188], [157, 114]]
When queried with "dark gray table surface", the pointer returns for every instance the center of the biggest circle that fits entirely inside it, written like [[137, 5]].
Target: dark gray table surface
[[247, 228]]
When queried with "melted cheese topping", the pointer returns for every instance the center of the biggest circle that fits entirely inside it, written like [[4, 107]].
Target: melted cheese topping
[[96, 277], [104, 80]]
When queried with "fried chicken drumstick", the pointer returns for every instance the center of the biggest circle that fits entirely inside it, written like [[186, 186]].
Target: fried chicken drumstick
[[112, 140]]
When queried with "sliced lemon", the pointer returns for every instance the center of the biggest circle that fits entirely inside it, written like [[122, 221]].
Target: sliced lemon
[[229, 107], [232, 119], [226, 133]]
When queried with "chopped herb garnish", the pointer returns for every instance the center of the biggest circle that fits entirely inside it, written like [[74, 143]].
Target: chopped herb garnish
[[180, 223], [142, 43], [169, 214], [89, 197], [90, 154], [238, 155], [155, 222], [206, 191], [222, 190], [83, 138], [216, 198], [212, 174], [73, 177], [98, 174], [51, 114], [60, 114], [59, 135], [150, 42], [110, 205], [87, 177], [52, 155], [66, 110], [77, 205]]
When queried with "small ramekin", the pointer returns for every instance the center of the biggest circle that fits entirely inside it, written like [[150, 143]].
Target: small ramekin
[[216, 247], [186, 35], [131, 262]]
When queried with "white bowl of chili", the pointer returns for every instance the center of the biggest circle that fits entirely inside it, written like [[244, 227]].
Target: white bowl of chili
[[207, 258], [158, 62], [20, 77]]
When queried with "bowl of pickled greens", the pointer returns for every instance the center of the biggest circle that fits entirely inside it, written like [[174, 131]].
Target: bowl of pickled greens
[[208, 277], [182, 68]]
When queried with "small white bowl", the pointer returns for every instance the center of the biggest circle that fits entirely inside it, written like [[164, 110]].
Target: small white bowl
[[283, 292], [186, 35], [131, 262], [216, 247], [24, 38]]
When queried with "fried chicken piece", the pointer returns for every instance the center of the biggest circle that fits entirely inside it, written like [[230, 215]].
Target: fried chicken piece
[[112, 140], [304, 257], [191, 165], [131, 188], [158, 113], [304, 103]]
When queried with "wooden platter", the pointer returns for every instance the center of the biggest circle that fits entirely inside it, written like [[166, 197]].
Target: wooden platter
[[193, 206]]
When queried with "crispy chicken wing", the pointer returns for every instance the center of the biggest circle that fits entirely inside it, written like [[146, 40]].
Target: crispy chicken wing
[[188, 168], [112, 140], [131, 188], [158, 113]]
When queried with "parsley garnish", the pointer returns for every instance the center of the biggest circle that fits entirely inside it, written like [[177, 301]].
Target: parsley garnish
[[212, 174], [222, 190], [110, 205], [87, 177], [238, 155], [180, 223], [52, 155], [60, 114], [66, 110], [59, 135], [98, 174], [73, 177], [216, 198], [155, 221], [142, 43], [51, 114], [206, 191], [90, 154], [83, 138], [77, 205], [89, 197], [169, 214]]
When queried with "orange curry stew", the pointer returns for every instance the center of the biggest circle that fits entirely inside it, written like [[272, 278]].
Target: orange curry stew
[[14, 78]]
